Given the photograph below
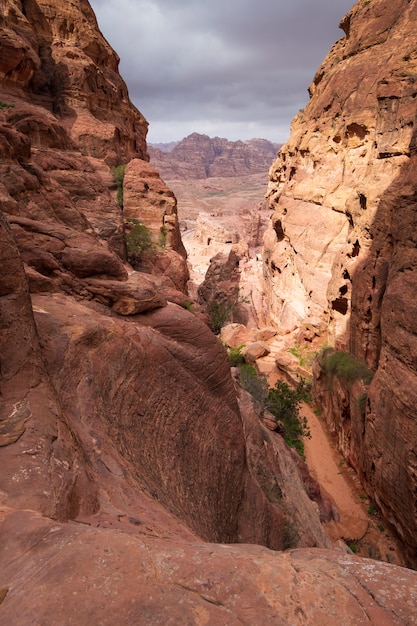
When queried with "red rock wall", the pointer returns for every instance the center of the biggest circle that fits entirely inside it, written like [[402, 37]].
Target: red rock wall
[[54, 56], [199, 156], [114, 396], [340, 246]]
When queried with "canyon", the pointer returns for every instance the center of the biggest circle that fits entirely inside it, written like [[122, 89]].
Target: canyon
[[138, 483]]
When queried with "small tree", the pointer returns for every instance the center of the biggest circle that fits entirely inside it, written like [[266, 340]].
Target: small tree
[[283, 402], [254, 384], [119, 174], [138, 240]]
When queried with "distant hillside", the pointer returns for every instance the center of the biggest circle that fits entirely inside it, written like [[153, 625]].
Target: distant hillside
[[199, 156], [164, 147]]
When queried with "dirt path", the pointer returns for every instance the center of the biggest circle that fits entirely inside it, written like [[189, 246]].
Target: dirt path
[[362, 531]]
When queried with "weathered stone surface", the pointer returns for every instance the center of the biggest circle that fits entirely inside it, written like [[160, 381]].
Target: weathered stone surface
[[84, 573], [255, 350], [146, 198], [123, 445], [59, 58], [199, 156], [340, 245], [234, 335]]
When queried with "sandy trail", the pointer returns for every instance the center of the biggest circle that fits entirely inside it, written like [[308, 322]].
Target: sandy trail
[[326, 467], [360, 530]]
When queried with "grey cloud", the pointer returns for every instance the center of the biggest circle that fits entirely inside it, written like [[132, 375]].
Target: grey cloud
[[238, 66]]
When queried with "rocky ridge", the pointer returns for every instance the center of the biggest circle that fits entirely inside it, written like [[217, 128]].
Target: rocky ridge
[[199, 156], [340, 248], [125, 443]]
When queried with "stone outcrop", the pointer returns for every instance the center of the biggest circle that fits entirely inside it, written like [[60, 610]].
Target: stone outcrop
[[200, 156], [54, 58], [84, 573], [146, 198], [340, 246]]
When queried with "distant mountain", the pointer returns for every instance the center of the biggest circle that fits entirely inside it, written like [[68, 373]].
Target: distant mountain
[[164, 147], [199, 156]]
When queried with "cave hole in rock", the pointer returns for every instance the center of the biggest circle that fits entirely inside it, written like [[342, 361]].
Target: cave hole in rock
[[343, 290], [362, 201], [346, 274], [373, 282], [292, 173], [337, 139], [275, 268], [279, 231], [357, 129], [355, 249], [340, 305]]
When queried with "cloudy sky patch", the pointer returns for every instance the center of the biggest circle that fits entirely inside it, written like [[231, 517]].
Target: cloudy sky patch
[[230, 68]]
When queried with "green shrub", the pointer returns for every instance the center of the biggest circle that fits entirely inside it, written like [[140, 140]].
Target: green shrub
[[254, 384], [283, 402], [235, 357], [188, 306], [4, 105], [119, 174], [220, 313], [138, 240], [346, 367]]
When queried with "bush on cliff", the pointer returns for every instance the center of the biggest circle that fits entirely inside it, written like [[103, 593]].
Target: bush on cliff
[[345, 367], [138, 240], [119, 174], [282, 401]]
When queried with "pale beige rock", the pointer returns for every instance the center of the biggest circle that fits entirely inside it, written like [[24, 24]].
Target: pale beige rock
[[254, 351], [234, 335], [340, 245]]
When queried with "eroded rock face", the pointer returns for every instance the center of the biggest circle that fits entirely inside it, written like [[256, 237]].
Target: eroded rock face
[[340, 243], [57, 59], [146, 198], [111, 373], [200, 156]]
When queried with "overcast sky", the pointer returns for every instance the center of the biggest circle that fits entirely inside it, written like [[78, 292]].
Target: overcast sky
[[229, 68]]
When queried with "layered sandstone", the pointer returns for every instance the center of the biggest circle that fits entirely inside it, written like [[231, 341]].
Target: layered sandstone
[[55, 57], [199, 156], [340, 245], [113, 395]]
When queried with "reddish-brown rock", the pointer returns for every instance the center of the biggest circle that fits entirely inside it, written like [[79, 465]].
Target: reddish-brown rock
[[200, 156], [56, 58], [340, 245], [84, 574], [122, 443], [146, 198]]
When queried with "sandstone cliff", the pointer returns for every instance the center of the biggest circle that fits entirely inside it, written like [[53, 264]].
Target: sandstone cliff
[[123, 444], [341, 248], [200, 156]]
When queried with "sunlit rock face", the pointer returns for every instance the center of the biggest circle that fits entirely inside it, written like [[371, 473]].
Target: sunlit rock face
[[341, 245], [54, 56]]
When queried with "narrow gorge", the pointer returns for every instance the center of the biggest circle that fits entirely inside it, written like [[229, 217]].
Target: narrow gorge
[[138, 484]]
